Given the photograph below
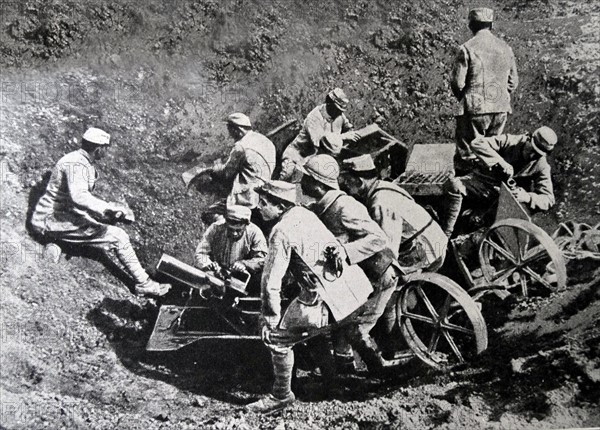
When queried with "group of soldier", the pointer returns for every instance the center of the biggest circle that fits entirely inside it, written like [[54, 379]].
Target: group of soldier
[[319, 199]]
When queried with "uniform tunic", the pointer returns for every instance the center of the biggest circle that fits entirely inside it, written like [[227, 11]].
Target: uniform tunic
[[250, 164], [298, 234], [400, 217], [68, 206], [216, 245], [534, 176], [67, 213], [483, 77], [316, 125], [364, 241]]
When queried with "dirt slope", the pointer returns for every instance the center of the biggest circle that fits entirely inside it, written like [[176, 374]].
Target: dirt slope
[[160, 77]]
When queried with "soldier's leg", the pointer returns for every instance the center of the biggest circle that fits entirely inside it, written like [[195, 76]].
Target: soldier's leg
[[359, 334], [118, 242], [110, 239], [480, 125], [454, 194], [464, 134], [283, 364], [497, 123], [388, 329], [114, 239], [281, 395], [320, 350], [342, 351]]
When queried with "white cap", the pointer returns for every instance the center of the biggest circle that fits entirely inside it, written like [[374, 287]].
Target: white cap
[[97, 136], [239, 119]]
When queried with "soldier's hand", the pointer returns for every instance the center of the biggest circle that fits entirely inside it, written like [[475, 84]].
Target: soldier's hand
[[352, 136], [214, 266], [507, 170], [238, 267], [114, 212], [265, 334], [521, 195]]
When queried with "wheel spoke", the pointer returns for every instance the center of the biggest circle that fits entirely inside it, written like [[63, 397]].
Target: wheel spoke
[[453, 346], [501, 251], [519, 252], [446, 307], [523, 285], [451, 326], [538, 278], [418, 317], [503, 275], [433, 342], [534, 258], [428, 304]]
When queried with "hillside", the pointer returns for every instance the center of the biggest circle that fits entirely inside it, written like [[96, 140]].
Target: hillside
[[160, 77]]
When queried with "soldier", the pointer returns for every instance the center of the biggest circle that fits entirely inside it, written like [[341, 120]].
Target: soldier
[[522, 157], [296, 246], [417, 239], [233, 243], [330, 144], [419, 242], [365, 244], [483, 77], [325, 118], [250, 163], [68, 212]]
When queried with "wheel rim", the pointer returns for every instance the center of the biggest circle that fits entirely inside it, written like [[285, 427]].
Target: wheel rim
[[439, 321], [520, 256]]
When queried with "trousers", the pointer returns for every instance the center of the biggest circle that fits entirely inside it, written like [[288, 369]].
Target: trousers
[[108, 238], [474, 186], [358, 335], [470, 127]]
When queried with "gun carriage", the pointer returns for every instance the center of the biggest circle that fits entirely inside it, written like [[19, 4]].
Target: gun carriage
[[439, 321]]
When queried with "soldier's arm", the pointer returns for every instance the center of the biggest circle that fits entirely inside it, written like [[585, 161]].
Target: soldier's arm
[[390, 224], [204, 249], [78, 175], [276, 266], [458, 77], [513, 76], [232, 165], [314, 127], [258, 251], [487, 149], [347, 125], [542, 197], [367, 238]]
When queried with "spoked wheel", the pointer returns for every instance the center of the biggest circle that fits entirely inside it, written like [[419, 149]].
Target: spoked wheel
[[521, 256], [440, 321]]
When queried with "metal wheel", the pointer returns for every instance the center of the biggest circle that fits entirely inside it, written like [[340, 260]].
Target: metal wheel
[[519, 255], [440, 321]]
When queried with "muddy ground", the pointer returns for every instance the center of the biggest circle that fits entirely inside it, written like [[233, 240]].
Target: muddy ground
[[160, 77]]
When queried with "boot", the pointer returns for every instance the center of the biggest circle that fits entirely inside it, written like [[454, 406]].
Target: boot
[[370, 354], [152, 288], [453, 206], [282, 395], [270, 404]]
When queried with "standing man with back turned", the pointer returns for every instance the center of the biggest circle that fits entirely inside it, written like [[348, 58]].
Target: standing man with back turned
[[483, 77]]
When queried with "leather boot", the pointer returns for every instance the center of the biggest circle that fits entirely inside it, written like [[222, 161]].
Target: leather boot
[[453, 206], [370, 354]]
